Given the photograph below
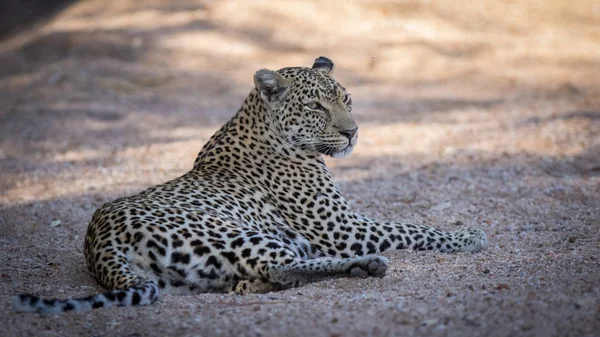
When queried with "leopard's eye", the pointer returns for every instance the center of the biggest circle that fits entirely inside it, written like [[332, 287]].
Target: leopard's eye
[[315, 106]]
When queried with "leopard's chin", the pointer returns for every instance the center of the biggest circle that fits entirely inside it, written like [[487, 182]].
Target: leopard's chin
[[343, 153]]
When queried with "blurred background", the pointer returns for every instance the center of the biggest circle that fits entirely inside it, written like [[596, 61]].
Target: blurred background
[[93, 83], [479, 113], [426, 74]]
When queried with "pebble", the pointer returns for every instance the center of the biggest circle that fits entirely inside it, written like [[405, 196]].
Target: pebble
[[502, 286], [441, 207], [526, 327], [55, 223]]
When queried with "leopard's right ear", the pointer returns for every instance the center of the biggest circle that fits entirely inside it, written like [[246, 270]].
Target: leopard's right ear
[[271, 85], [324, 65]]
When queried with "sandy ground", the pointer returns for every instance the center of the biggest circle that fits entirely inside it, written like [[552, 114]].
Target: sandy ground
[[484, 114]]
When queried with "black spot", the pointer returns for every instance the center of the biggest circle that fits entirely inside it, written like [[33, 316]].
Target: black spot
[[49, 302], [252, 262], [178, 257], [97, 305], [246, 252], [136, 299], [201, 250], [155, 268], [138, 237], [256, 240], [160, 249], [68, 307], [121, 295], [230, 256], [371, 248], [32, 300], [212, 260], [110, 296], [384, 245], [273, 245], [357, 247], [237, 243]]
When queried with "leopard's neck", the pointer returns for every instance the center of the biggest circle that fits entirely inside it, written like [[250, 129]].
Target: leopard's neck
[[249, 138]]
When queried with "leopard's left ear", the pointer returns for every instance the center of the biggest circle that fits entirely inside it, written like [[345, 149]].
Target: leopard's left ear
[[324, 65]]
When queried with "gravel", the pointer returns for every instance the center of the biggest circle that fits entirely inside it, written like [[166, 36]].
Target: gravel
[[471, 114]]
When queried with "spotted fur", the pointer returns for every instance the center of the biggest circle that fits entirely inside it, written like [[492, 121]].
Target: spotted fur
[[258, 212]]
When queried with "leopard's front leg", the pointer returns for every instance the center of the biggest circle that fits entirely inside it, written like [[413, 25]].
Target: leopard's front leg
[[351, 234]]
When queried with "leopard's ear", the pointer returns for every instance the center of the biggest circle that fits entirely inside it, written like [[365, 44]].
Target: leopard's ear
[[323, 64], [271, 85]]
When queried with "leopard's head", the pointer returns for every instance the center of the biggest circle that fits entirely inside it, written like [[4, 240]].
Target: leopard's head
[[308, 108]]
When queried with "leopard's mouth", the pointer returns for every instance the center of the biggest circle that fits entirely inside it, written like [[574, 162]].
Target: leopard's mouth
[[337, 149]]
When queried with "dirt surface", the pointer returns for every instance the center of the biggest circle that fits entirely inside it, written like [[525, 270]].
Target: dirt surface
[[484, 114]]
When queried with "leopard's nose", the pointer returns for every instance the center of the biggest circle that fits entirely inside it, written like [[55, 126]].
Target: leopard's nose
[[349, 133]]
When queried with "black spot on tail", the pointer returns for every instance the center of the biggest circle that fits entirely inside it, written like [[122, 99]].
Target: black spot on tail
[[30, 299], [121, 296], [136, 298], [49, 302]]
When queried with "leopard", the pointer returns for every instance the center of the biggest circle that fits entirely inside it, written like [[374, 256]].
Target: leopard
[[258, 212]]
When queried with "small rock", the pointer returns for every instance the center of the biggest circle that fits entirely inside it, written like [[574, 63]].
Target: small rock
[[449, 151], [571, 239], [502, 286], [471, 322], [56, 78], [441, 207], [486, 271], [113, 323], [429, 322], [55, 223], [458, 223], [526, 327], [583, 303]]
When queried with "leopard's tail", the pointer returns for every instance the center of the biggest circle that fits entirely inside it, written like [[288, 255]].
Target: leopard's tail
[[143, 294]]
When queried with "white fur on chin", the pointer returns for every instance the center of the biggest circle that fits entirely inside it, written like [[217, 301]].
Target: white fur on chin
[[343, 153]]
